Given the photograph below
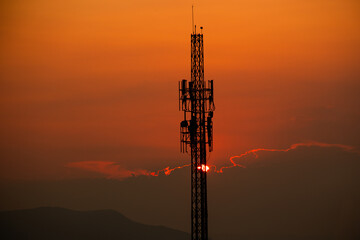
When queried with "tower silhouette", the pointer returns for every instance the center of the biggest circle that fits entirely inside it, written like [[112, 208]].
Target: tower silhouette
[[196, 100]]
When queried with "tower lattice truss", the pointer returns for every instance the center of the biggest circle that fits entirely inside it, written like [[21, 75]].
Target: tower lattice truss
[[196, 100]]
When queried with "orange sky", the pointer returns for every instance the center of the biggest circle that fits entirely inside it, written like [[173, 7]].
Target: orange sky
[[97, 80]]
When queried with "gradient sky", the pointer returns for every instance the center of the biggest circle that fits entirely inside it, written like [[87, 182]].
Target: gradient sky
[[97, 80], [89, 98]]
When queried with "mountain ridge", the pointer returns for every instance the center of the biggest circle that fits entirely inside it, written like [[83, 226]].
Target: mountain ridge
[[60, 223]]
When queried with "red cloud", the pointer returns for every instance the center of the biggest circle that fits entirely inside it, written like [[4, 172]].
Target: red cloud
[[292, 147], [114, 171], [110, 169]]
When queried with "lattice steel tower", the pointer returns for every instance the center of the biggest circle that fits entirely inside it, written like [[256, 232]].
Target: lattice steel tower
[[196, 99]]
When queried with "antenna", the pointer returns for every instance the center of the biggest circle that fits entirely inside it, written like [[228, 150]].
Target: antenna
[[192, 11]]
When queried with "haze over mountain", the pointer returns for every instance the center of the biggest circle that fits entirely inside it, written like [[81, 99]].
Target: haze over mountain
[[306, 193], [59, 224]]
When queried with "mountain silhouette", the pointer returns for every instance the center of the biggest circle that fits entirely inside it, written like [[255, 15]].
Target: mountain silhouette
[[59, 223]]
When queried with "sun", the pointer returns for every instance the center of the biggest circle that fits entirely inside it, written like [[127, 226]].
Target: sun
[[203, 168]]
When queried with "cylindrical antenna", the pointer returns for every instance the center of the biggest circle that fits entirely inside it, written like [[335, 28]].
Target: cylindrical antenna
[[192, 11]]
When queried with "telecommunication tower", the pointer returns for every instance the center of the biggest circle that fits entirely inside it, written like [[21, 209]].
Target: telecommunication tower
[[196, 100]]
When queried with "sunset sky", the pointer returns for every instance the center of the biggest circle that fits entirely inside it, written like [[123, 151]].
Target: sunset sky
[[88, 88]]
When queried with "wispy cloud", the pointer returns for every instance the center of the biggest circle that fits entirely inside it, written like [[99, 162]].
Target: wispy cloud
[[292, 147], [113, 170]]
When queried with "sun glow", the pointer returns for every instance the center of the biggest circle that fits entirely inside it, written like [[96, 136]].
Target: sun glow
[[203, 168]]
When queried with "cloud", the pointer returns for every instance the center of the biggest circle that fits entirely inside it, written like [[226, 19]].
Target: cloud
[[110, 169], [113, 170], [292, 147]]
